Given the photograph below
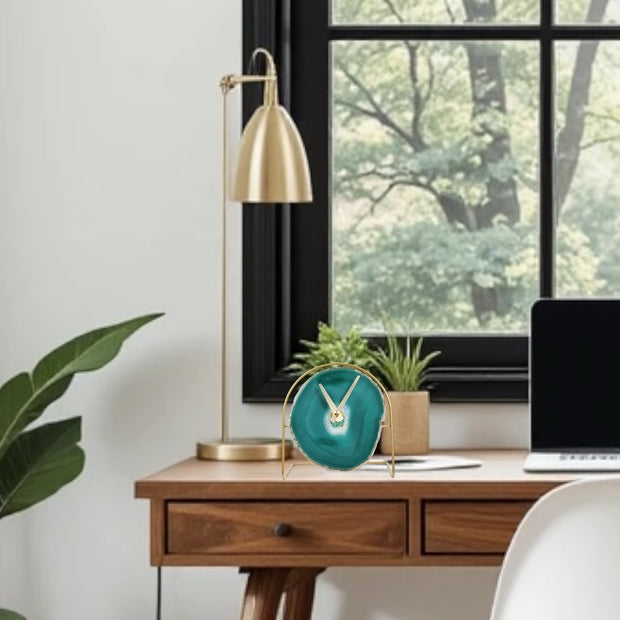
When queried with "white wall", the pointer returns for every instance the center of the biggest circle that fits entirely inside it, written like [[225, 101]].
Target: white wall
[[109, 207]]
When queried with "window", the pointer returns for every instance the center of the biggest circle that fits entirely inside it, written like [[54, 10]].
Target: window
[[463, 155]]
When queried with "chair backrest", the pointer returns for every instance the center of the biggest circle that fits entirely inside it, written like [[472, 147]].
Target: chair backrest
[[564, 560]]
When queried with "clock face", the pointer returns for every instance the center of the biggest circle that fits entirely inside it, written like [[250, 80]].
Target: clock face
[[336, 418]]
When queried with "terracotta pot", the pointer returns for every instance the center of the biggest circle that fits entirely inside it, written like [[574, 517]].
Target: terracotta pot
[[410, 424]]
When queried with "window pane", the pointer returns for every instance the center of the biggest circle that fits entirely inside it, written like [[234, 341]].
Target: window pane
[[587, 165], [588, 11], [434, 11], [434, 185]]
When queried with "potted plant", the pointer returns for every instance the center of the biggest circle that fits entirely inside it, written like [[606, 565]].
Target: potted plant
[[332, 346], [404, 373], [37, 462]]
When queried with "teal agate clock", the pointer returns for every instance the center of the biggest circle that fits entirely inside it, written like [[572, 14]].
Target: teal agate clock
[[336, 416]]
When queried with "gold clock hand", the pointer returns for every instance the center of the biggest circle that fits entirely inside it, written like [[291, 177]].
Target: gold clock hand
[[330, 402], [346, 396]]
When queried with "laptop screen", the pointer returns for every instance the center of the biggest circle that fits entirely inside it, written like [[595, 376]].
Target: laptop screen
[[575, 374]]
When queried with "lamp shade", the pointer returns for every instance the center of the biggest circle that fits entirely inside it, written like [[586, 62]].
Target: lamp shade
[[272, 165]]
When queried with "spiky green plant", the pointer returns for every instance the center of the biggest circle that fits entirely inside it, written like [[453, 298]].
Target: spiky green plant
[[403, 370]]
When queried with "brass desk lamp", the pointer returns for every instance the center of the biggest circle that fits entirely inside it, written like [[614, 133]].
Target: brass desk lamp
[[272, 168]]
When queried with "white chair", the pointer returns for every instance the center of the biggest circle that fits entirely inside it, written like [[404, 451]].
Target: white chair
[[564, 560]]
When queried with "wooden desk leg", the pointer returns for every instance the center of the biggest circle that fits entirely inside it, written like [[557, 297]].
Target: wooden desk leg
[[265, 587], [300, 593], [263, 593]]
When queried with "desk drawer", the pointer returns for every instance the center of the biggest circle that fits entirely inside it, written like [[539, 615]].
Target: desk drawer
[[363, 528], [470, 527]]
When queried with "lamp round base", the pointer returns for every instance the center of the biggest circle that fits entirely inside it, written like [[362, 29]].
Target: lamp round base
[[246, 449]]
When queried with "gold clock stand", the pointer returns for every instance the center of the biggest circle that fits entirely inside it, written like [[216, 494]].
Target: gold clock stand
[[387, 423]]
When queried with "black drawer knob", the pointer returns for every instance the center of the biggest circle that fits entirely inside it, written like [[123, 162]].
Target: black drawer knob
[[281, 529]]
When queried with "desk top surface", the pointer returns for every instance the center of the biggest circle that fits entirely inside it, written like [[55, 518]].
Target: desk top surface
[[498, 466]]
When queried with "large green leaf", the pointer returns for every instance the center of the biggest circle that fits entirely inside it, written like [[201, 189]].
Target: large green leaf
[[24, 397], [38, 463], [6, 614]]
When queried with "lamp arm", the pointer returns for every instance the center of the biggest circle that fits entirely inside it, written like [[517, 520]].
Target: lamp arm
[[228, 82], [270, 79], [271, 65]]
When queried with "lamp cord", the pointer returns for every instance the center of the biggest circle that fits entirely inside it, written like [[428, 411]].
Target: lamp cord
[[158, 600]]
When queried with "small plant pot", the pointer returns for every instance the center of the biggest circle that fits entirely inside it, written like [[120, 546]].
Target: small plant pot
[[410, 424]]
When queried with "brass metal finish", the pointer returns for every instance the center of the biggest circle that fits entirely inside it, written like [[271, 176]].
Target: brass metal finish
[[273, 167], [336, 417], [272, 164], [387, 423], [245, 449]]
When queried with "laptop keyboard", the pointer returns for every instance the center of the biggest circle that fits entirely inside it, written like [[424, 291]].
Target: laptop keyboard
[[590, 457], [573, 461]]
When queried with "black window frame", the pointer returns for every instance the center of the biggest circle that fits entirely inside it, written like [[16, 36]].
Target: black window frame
[[286, 247]]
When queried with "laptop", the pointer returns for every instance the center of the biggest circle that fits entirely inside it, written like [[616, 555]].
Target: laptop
[[575, 385]]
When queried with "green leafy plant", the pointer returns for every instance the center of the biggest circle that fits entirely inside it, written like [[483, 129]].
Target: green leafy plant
[[5, 614], [403, 370], [331, 346], [36, 463]]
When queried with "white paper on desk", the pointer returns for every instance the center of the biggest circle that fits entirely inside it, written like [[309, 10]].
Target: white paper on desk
[[426, 463]]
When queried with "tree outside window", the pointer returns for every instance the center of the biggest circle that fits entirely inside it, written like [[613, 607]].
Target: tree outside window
[[436, 168]]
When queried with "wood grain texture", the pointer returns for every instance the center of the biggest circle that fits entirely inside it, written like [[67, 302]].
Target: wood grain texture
[[194, 479], [158, 531], [300, 589], [263, 592], [470, 526], [222, 514], [207, 513], [369, 528]]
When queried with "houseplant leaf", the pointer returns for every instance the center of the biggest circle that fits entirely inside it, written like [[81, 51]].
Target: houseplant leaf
[[332, 346], [89, 351], [38, 463], [6, 614], [24, 397], [403, 371]]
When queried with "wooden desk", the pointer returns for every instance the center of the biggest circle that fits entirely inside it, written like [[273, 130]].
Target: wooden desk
[[285, 532]]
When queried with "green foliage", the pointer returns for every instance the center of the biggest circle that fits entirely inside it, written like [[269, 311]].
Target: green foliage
[[331, 346], [436, 197], [408, 205], [403, 370], [39, 462], [426, 270], [36, 463], [5, 614], [589, 237], [424, 11]]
